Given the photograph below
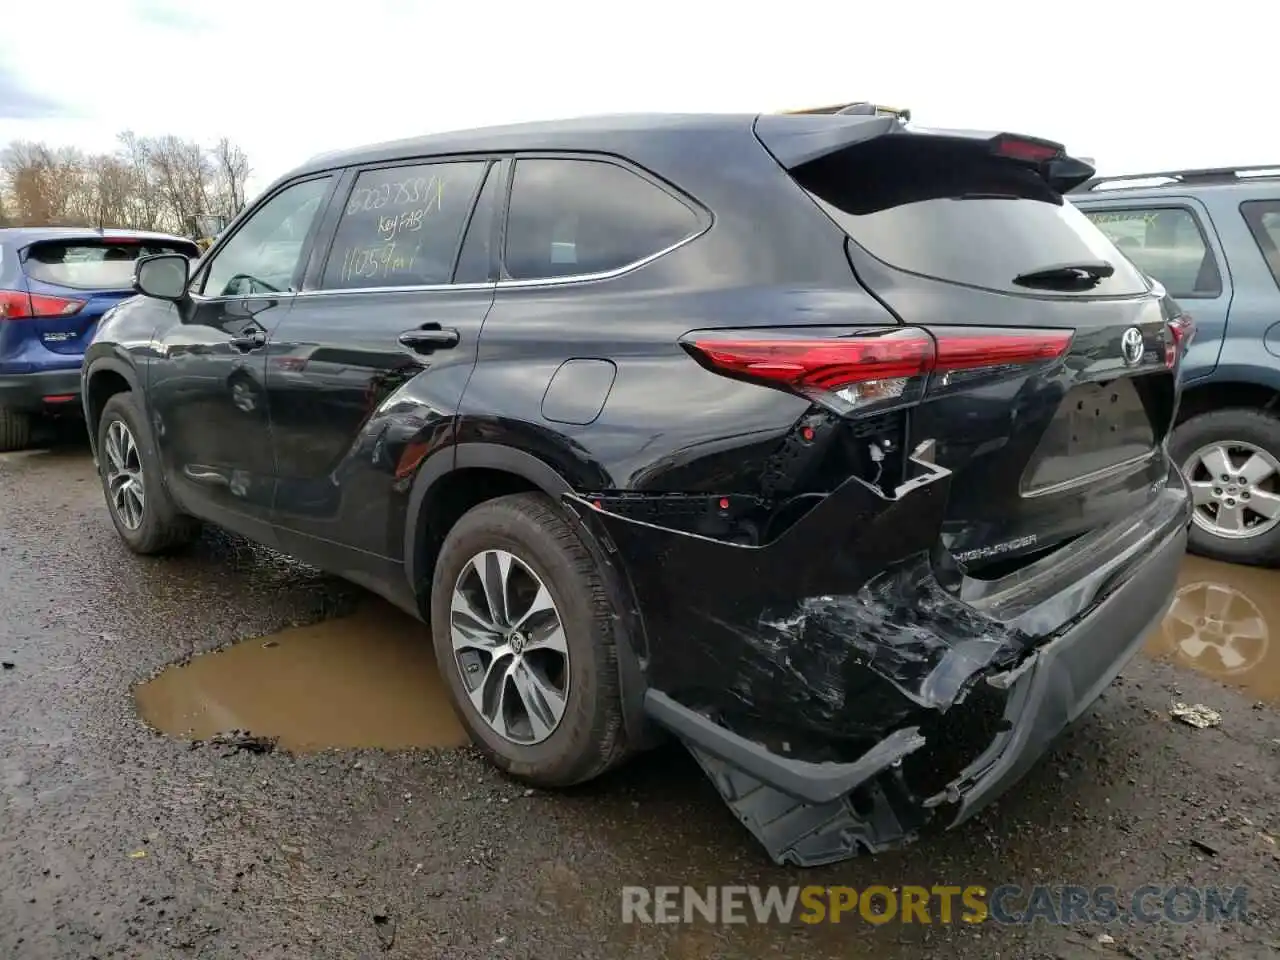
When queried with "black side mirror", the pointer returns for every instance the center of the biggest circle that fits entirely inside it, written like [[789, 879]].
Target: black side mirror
[[163, 276]]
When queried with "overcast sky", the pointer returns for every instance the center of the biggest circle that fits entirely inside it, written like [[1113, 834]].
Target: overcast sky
[[1136, 85]]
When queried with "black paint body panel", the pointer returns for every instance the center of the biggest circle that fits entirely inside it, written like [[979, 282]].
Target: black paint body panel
[[793, 575]]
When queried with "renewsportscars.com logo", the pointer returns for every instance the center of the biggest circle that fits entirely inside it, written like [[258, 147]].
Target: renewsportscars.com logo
[[880, 904]]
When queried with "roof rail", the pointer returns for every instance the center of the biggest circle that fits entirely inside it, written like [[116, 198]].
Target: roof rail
[[1208, 175]]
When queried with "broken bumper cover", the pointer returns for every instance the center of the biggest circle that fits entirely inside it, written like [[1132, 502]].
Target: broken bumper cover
[[814, 813]]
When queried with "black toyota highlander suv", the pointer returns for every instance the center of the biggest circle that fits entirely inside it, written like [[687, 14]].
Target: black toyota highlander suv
[[832, 446]]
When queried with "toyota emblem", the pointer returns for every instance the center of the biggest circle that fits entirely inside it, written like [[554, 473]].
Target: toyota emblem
[[1131, 347]]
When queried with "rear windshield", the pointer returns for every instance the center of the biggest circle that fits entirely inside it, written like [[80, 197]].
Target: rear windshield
[[949, 210], [95, 264]]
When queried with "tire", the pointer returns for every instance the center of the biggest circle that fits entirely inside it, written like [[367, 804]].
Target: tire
[[1240, 426], [162, 527], [589, 737], [15, 430]]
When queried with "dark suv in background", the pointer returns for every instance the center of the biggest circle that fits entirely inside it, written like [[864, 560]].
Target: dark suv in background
[[723, 425], [1212, 238]]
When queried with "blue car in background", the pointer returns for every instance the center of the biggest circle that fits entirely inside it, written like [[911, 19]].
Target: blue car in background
[[55, 284]]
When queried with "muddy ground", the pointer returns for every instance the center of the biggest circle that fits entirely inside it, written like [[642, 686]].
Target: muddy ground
[[119, 840]]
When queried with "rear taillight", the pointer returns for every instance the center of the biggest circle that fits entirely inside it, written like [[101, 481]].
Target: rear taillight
[[1181, 330], [876, 369], [15, 305]]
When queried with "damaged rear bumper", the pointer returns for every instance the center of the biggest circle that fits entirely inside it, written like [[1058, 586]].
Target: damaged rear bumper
[[840, 697], [814, 813]]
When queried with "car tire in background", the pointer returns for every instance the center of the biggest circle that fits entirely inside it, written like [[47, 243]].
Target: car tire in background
[[144, 514], [1231, 459], [542, 704], [15, 430]]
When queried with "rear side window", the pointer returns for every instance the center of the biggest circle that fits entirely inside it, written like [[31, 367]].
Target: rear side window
[[572, 217], [947, 209], [1263, 218], [1166, 243], [94, 264], [402, 226]]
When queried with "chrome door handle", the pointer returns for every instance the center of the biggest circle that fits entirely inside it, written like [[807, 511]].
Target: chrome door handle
[[250, 341]]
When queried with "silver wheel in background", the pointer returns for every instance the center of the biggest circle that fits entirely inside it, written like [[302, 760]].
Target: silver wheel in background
[[1234, 486], [509, 647]]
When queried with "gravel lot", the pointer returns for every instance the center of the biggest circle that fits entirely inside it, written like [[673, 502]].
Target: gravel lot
[[119, 840]]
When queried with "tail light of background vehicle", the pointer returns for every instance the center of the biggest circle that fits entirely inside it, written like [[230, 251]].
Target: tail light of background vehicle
[[874, 371], [1181, 329], [15, 305]]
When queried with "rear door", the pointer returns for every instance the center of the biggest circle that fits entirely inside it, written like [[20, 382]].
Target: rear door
[[365, 374], [1172, 239], [1054, 386]]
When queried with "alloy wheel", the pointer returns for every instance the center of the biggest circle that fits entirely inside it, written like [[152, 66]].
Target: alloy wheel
[[509, 647], [125, 486], [1236, 489]]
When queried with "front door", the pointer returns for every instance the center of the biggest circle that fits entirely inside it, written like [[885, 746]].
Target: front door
[[365, 373], [211, 420]]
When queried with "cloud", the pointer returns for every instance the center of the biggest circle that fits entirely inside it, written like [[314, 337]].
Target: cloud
[[285, 79], [170, 15], [20, 102]]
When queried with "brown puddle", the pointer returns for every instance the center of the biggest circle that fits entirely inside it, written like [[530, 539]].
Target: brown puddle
[[1224, 622], [367, 680], [370, 680]]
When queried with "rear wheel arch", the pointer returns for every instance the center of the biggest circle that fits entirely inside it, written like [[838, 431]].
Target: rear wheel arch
[[453, 481], [1214, 395]]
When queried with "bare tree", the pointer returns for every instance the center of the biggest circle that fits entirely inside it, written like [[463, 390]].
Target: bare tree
[[145, 205], [232, 172], [34, 182], [183, 175], [113, 191], [147, 182]]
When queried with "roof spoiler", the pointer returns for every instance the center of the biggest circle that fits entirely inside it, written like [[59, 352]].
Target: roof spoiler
[[860, 108], [795, 139]]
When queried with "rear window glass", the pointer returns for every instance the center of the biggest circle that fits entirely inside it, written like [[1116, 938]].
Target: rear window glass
[[946, 209], [94, 264], [1165, 243], [1263, 217], [572, 218]]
